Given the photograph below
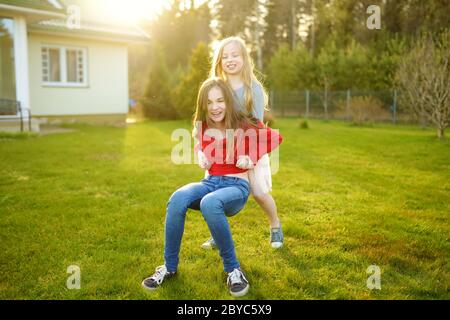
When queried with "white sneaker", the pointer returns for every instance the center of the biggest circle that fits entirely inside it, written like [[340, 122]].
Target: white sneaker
[[209, 244], [153, 282], [237, 283]]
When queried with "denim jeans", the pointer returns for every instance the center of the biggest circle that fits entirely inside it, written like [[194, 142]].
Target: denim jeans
[[216, 197]]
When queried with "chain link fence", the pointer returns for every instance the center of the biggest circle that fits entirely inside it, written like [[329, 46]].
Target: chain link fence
[[352, 105]]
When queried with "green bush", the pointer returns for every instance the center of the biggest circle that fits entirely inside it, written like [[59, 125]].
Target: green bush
[[157, 102], [334, 67], [303, 124], [291, 70], [363, 110], [185, 93]]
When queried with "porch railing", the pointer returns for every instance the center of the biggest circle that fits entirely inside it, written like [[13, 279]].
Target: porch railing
[[10, 109]]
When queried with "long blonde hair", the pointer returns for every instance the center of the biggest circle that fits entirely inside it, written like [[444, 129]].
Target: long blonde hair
[[248, 71]]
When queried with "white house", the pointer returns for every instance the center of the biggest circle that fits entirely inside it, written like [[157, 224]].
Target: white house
[[60, 61]]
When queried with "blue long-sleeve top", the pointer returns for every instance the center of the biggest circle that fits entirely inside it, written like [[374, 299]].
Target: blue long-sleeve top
[[258, 100]]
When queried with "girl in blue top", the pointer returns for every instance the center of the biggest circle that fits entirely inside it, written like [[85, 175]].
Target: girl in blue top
[[233, 63]]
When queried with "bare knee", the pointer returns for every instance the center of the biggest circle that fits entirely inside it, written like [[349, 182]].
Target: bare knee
[[262, 198]]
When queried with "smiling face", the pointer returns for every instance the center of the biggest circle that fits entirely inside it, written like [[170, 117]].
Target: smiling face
[[216, 105], [232, 59]]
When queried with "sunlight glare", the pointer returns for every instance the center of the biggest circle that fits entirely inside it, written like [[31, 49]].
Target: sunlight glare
[[132, 11]]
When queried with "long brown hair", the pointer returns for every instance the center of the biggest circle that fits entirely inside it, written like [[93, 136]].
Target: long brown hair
[[234, 119]]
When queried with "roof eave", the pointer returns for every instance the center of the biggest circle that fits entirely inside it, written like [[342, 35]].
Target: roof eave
[[103, 37], [32, 14]]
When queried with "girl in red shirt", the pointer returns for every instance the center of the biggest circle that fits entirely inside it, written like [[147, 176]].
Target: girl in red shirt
[[229, 143]]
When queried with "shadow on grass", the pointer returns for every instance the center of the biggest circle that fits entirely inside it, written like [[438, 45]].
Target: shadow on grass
[[17, 135]]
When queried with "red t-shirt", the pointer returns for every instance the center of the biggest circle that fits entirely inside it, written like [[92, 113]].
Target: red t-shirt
[[252, 141]]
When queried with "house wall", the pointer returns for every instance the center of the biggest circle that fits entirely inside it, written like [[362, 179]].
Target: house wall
[[106, 92], [21, 74]]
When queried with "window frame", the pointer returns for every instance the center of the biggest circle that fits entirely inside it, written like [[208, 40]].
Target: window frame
[[63, 49]]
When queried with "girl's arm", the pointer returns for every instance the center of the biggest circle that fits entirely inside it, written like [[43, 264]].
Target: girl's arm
[[257, 142], [258, 101], [202, 159]]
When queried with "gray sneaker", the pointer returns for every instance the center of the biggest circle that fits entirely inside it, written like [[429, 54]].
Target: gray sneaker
[[209, 244], [276, 237]]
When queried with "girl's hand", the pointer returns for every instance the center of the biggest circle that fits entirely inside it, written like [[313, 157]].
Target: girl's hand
[[203, 161], [244, 162]]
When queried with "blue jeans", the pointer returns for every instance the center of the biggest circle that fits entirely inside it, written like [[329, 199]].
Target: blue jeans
[[217, 197]]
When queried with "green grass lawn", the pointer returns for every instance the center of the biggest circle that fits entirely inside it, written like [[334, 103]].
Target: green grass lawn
[[348, 198]]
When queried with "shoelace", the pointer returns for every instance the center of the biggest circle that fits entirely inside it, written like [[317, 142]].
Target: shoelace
[[159, 274], [235, 277], [276, 235]]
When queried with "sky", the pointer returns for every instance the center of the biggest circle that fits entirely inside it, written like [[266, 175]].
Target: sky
[[134, 10]]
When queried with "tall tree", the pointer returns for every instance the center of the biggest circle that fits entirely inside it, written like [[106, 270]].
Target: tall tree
[[244, 18], [424, 77], [283, 23], [233, 16], [185, 94], [180, 28], [156, 99]]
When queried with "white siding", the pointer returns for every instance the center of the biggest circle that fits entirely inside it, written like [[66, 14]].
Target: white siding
[[22, 68], [107, 83]]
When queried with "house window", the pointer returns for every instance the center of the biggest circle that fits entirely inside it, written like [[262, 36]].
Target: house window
[[64, 66]]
